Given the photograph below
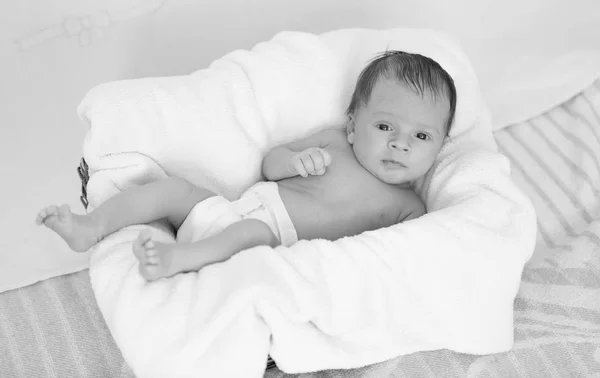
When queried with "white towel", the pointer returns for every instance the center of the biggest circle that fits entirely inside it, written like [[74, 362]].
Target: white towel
[[445, 280]]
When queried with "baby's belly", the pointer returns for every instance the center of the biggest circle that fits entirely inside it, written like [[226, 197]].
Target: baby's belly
[[334, 215]]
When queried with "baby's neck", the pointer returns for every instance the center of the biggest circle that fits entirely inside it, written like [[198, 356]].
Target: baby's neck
[[404, 185]]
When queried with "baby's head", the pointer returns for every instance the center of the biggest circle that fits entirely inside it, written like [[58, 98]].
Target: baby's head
[[400, 114]]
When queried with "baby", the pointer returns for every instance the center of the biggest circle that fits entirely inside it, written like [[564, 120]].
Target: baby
[[332, 184]]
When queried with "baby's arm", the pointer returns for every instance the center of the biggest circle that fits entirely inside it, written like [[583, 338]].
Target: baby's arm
[[303, 157]]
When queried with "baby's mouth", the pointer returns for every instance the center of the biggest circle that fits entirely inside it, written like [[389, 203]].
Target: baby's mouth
[[393, 163]]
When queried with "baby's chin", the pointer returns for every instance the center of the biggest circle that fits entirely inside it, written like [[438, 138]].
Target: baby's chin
[[399, 183]]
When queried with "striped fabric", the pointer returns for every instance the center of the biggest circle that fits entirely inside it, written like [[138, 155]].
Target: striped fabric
[[54, 328]]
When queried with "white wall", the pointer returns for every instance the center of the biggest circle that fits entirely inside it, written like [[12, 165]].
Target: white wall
[[53, 51]]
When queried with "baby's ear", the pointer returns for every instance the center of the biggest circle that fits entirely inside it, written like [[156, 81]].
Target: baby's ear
[[351, 137], [350, 129]]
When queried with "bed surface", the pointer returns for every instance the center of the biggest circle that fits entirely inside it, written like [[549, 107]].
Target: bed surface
[[55, 329]]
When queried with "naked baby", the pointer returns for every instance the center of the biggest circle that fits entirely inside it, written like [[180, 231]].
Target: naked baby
[[332, 184]]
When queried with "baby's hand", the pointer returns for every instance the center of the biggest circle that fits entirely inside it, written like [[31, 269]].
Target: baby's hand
[[312, 161]]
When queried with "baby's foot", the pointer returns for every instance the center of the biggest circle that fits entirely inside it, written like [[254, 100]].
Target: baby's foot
[[156, 259], [79, 231]]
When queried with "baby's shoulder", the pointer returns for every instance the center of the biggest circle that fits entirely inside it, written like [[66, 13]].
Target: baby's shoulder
[[410, 204], [333, 135]]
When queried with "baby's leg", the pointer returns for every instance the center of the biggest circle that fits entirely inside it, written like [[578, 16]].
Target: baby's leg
[[171, 198], [158, 260]]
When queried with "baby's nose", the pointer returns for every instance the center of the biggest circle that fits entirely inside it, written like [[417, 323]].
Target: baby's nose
[[399, 144]]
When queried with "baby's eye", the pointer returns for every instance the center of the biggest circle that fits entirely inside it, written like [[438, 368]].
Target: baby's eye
[[422, 136], [383, 127]]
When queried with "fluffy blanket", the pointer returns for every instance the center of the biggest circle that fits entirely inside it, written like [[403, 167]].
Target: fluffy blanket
[[445, 280]]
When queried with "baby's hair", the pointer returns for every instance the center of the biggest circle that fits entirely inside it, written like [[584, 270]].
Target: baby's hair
[[419, 72]]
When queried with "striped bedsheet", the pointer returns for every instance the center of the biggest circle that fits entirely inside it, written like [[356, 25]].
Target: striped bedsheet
[[54, 328]]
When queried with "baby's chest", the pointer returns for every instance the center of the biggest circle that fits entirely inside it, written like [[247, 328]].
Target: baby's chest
[[363, 211], [360, 194]]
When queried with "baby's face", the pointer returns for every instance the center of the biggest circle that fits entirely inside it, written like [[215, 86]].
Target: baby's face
[[398, 134]]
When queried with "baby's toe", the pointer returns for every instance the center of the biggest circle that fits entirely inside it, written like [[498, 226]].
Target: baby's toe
[[45, 213], [143, 269], [149, 272], [39, 219], [149, 244], [51, 210], [145, 235], [138, 250], [151, 252]]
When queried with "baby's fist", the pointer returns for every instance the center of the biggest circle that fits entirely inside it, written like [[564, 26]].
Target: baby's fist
[[312, 161]]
